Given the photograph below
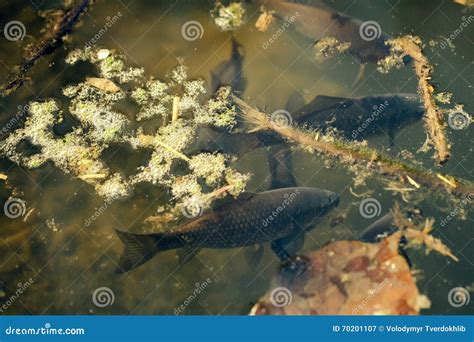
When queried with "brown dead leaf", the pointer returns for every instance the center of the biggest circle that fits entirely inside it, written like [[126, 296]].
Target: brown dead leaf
[[103, 84]]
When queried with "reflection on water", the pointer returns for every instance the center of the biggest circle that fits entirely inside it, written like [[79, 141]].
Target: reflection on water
[[65, 240]]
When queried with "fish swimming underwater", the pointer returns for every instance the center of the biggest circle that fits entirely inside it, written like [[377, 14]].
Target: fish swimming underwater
[[249, 220], [213, 139], [355, 118], [318, 21], [229, 73], [358, 118]]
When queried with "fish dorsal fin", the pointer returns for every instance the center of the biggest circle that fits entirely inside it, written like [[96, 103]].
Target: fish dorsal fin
[[185, 254], [227, 201], [323, 103], [245, 196]]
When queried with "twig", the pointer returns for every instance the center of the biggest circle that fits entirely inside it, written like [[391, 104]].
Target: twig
[[366, 157], [51, 40], [434, 122], [175, 114]]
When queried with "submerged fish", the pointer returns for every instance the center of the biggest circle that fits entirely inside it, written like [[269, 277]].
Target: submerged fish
[[358, 118], [213, 139], [319, 21], [251, 219], [229, 73]]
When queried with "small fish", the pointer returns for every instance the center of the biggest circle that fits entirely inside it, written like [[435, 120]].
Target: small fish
[[249, 220], [229, 73], [378, 230], [358, 118], [212, 139], [319, 21]]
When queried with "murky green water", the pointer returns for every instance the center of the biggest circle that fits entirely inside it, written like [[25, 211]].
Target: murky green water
[[68, 260]]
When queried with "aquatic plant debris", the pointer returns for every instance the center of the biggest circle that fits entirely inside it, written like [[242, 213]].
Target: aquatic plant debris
[[264, 20], [228, 18], [352, 154], [434, 123], [93, 102], [418, 235], [329, 47]]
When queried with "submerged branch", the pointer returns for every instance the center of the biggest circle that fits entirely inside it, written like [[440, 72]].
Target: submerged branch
[[434, 122], [51, 40], [366, 157]]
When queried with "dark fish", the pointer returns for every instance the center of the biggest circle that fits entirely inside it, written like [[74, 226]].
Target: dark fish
[[281, 165], [229, 73], [211, 139], [355, 118], [251, 219], [358, 118], [385, 226], [280, 159], [319, 21], [378, 230]]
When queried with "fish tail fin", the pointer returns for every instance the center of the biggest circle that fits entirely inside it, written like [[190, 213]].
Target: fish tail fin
[[238, 51], [139, 248]]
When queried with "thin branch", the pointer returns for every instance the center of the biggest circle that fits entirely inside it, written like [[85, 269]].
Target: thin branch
[[366, 157], [51, 40], [434, 122]]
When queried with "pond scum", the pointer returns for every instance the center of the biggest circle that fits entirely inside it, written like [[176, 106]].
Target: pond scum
[[175, 101]]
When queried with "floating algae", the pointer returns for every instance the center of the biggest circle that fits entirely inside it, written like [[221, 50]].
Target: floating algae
[[70, 153], [93, 103], [228, 18]]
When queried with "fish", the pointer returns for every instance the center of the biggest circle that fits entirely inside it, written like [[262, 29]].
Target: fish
[[280, 160], [385, 226], [355, 118], [359, 118], [213, 139], [229, 72], [251, 219], [318, 21], [378, 230]]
